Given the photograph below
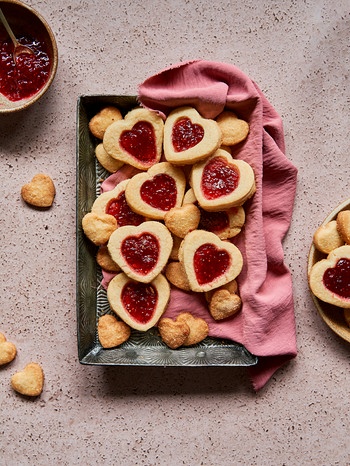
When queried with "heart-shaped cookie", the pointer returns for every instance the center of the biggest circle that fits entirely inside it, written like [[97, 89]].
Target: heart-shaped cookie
[[104, 118], [114, 203], [140, 305], [176, 275], [199, 329], [8, 350], [174, 333], [109, 163], [137, 139], [208, 261], [98, 227], [112, 332], [181, 220], [142, 251], [221, 182], [224, 304], [39, 192], [327, 237], [233, 129], [329, 278], [224, 223], [188, 137], [155, 192], [29, 381], [343, 225]]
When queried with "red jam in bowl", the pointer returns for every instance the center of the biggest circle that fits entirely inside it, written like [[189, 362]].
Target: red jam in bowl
[[139, 300], [160, 192], [141, 252], [210, 263], [219, 178], [337, 279], [121, 211], [29, 74], [186, 134]]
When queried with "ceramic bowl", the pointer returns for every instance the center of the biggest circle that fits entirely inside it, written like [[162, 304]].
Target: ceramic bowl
[[25, 21]]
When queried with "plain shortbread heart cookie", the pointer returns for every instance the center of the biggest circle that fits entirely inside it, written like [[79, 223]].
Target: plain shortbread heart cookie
[[40, 191], [29, 381]]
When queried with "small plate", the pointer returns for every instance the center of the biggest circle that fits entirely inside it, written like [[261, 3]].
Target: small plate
[[333, 316], [142, 348]]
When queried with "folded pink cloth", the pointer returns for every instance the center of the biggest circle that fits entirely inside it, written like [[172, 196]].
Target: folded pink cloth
[[266, 324]]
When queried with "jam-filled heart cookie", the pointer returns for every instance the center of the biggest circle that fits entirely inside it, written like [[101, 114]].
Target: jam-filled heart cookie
[[143, 251], [329, 278], [114, 203], [224, 223], [137, 139], [221, 182], [188, 137], [233, 129], [140, 305], [155, 192], [208, 261]]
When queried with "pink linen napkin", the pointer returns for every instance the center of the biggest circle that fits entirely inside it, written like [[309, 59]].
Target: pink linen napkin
[[266, 324]]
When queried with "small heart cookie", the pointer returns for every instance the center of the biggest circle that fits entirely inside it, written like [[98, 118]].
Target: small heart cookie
[[114, 203], [188, 137], [343, 225], [224, 304], [176, 275], [329, 278], [8, 350], [221, 182], [199, 329], [143, 251], [174, 333], [40, 191], [140, 305], [29, 381], [155, 192], [137, 139], [327, 237], [109, 163], [104, 260], [112, 332], [182, 220], [98, 227], [233, 129], [208, 261], [104, 118]]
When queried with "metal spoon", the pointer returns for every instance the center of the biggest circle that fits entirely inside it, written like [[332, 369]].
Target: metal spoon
[[18, 48]]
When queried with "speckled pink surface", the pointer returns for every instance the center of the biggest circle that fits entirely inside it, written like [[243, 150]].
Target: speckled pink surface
[[298, 53]]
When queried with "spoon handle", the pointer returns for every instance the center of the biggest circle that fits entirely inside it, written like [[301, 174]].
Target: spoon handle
[[7, 27]]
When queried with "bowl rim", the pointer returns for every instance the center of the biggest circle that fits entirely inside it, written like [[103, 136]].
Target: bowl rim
[[54, 64]]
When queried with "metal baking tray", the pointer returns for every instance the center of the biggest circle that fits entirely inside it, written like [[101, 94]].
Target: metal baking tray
[[142, 348]]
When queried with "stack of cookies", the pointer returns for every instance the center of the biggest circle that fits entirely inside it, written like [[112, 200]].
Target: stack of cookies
[[171, 223]]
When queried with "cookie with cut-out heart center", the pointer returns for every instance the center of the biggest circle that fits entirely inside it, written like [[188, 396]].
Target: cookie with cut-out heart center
[[140, 305], [29, 381], [221, 182], [188, 137], [40, 191], [142, 251], [114, 203], [329, 278], [137, 139], [155, 192], [112, 332], [208, 261]]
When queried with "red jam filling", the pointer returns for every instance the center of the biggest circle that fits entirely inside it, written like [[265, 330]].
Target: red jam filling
[[219, 178], [213, 221], [120, 209], [337, 279], [139, 300], [160, 192], [141, 252], [209, 263], [31, 71], [186, 134], [140, 142]]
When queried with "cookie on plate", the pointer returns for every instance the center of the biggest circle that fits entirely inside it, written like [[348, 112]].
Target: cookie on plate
[[233, 129], [98, 227], [111, 331], [109, 163], [104, 118], [327, 237], [343, 225]]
